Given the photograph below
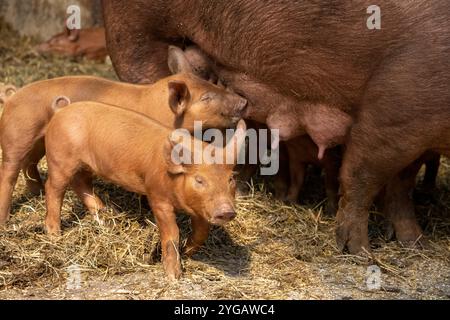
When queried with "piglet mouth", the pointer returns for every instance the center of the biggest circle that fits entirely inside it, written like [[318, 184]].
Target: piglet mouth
[[222, 218], [217, 222]]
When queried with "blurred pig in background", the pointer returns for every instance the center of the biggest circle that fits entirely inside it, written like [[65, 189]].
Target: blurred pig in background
[[89, 43]]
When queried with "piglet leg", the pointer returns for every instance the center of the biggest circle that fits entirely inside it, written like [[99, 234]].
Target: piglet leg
[[431, 172], [281, 180], [60, 174], [8, 177], [170, 238], [55, 188], [200, 231], [331, 167], [30, 170], [82, 185], [297, 175]]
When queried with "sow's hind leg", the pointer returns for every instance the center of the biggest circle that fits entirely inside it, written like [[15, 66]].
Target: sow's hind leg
[[366, 168], [399, 210], [383, 141]]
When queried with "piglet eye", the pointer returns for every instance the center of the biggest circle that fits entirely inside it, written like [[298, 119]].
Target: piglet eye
[[206, 97], [199, 180]]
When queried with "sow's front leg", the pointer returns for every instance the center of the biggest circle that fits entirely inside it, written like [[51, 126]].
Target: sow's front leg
[[170, 237]]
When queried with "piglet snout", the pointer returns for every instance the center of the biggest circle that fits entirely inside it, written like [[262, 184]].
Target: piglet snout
[[223, 215]]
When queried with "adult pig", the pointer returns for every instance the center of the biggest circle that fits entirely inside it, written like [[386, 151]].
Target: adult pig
[[304, 66], [396, 202]]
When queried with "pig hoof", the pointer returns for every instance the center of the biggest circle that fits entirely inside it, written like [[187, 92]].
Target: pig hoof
[[173, 275], [101, 222], [352, 237], [409, 233], [190, 250], [53, 231], [416, 241], [172, 266]]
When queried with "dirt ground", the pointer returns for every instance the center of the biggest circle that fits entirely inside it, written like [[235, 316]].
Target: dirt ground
[[271, 251]]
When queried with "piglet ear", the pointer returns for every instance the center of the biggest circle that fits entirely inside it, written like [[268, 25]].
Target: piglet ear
[[179, 96], [176, 154], [177, 61]]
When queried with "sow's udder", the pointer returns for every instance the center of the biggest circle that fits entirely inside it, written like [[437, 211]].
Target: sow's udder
[[327, 126]]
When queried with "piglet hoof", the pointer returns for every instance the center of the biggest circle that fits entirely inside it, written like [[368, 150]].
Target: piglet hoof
[[4, 218], [172, 261], [352, 235], [100, 221], [52, 230], [190, 249], [173, 271]]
